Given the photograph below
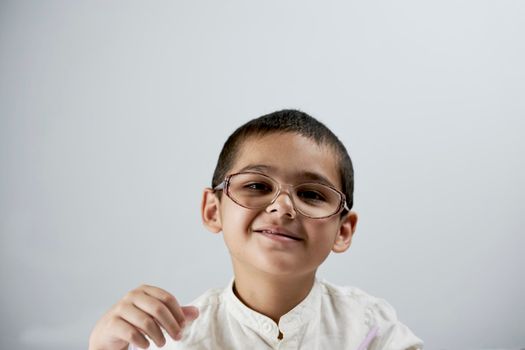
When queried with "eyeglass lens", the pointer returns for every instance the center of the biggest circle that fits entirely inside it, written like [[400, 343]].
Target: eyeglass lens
[[253, 190]]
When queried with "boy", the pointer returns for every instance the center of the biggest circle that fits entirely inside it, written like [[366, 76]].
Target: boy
[[281, 194]]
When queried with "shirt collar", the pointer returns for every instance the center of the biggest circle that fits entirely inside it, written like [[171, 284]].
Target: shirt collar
[[288, 324]]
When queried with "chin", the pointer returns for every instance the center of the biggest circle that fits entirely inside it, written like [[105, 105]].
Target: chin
[[281, 267]]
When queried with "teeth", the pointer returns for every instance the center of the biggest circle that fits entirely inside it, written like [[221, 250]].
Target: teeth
[[277, 233]]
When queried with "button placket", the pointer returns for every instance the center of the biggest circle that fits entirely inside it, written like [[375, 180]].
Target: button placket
[[267, 327]]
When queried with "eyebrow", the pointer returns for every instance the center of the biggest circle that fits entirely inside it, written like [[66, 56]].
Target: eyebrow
[[308, 175]]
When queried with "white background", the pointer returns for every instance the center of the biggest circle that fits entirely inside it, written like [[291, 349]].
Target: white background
[[112, 115]]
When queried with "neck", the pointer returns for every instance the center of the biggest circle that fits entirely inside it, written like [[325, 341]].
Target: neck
[[271, 295]]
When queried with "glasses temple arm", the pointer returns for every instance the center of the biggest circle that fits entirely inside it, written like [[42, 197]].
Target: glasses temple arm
[[220, 186]]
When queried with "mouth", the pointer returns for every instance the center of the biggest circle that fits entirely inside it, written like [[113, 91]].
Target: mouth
[[279, 234]]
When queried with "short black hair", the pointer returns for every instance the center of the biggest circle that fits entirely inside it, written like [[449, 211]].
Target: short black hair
[[287, 120]]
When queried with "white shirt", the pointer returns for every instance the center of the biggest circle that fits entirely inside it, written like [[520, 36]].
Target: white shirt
[[330, 317]]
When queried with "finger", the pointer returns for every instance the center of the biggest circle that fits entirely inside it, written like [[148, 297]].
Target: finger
[[127, 332], [143, 322], [190, 312], [169, 300], [159, 311]]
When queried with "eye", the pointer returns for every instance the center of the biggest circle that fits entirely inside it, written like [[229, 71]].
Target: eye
[[312, 196], [258, 187]]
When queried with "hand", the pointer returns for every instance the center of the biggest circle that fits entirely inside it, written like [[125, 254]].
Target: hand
[[142, 311]]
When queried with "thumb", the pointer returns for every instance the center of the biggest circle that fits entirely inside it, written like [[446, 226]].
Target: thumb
[[190, 312]]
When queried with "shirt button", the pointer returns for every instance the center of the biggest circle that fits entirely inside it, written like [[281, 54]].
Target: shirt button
[[267, 327]]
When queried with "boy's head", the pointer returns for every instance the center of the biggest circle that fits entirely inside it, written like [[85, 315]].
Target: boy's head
[[285, 177], [287, 121]]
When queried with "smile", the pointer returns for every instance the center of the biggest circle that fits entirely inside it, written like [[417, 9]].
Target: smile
[[277, 235]]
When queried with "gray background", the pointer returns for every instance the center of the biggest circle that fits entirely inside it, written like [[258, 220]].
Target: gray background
[[113, 115]]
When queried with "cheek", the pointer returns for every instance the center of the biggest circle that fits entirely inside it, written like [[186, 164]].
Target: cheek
[[237, 223], [235, 219], [323, 233]]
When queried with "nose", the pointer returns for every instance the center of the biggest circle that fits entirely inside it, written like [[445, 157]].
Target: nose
[[283, 205]]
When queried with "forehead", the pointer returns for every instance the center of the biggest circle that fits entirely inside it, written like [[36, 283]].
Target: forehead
[[290, 157]]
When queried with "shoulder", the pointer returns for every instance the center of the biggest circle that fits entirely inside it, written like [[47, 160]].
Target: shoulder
[[358, 298], [211, 307], [353, 304], [196, 332], [211, 297], [212, 310], [355, 297]]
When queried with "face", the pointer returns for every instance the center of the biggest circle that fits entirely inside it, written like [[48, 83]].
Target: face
[[261, 239]]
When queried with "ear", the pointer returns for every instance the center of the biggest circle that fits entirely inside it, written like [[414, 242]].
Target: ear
[[210, 211], [346, 232]]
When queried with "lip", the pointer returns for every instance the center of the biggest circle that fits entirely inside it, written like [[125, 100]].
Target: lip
[[279, 233]]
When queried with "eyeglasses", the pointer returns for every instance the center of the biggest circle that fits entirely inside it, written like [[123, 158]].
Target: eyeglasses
[[255, 190]]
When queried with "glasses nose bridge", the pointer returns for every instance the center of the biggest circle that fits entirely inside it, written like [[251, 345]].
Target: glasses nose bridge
[[289, 191]]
